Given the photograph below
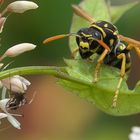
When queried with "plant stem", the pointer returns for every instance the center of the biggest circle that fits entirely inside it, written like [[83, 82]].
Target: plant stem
[[58, 72]]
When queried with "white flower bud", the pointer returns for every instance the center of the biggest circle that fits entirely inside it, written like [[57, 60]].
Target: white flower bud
[[23, 80], [16, 84], [21, 6], [19, 49]]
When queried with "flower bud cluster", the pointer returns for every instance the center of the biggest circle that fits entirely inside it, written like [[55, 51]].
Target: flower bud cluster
[[17, 85], [16, 7]]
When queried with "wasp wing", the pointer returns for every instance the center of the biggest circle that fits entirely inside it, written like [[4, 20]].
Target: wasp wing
[[80, 12]]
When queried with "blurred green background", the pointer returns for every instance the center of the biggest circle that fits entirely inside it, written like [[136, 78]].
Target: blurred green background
[[55, 113]]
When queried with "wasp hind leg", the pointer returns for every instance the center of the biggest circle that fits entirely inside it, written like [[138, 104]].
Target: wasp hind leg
[[122, 74]]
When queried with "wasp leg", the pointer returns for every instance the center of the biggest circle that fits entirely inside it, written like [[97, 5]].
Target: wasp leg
[[80, 12], [74, 52], [98, 65], [122, 73]]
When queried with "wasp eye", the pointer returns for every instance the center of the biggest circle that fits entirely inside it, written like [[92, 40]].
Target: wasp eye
[[97, 35]]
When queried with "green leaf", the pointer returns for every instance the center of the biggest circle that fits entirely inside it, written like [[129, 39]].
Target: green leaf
[[77, 76], [101, 94], [117, 11], [96, 8]]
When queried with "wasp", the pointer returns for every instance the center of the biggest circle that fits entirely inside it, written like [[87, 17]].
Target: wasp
[[19, 100], [16, 101], [103, 38]]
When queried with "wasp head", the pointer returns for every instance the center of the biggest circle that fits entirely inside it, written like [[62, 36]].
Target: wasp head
[[86, 37]]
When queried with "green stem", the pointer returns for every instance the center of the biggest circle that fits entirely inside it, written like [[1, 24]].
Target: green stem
[[58, 72]]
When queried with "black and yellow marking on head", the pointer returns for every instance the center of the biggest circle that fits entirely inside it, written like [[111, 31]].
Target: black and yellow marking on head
[[86, 35], [84, 45]]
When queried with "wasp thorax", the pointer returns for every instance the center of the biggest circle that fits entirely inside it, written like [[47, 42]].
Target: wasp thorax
[[107, 25], [108, 32]]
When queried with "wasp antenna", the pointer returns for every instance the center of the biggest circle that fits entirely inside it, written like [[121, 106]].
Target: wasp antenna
[[54, 38], [59, 37]]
